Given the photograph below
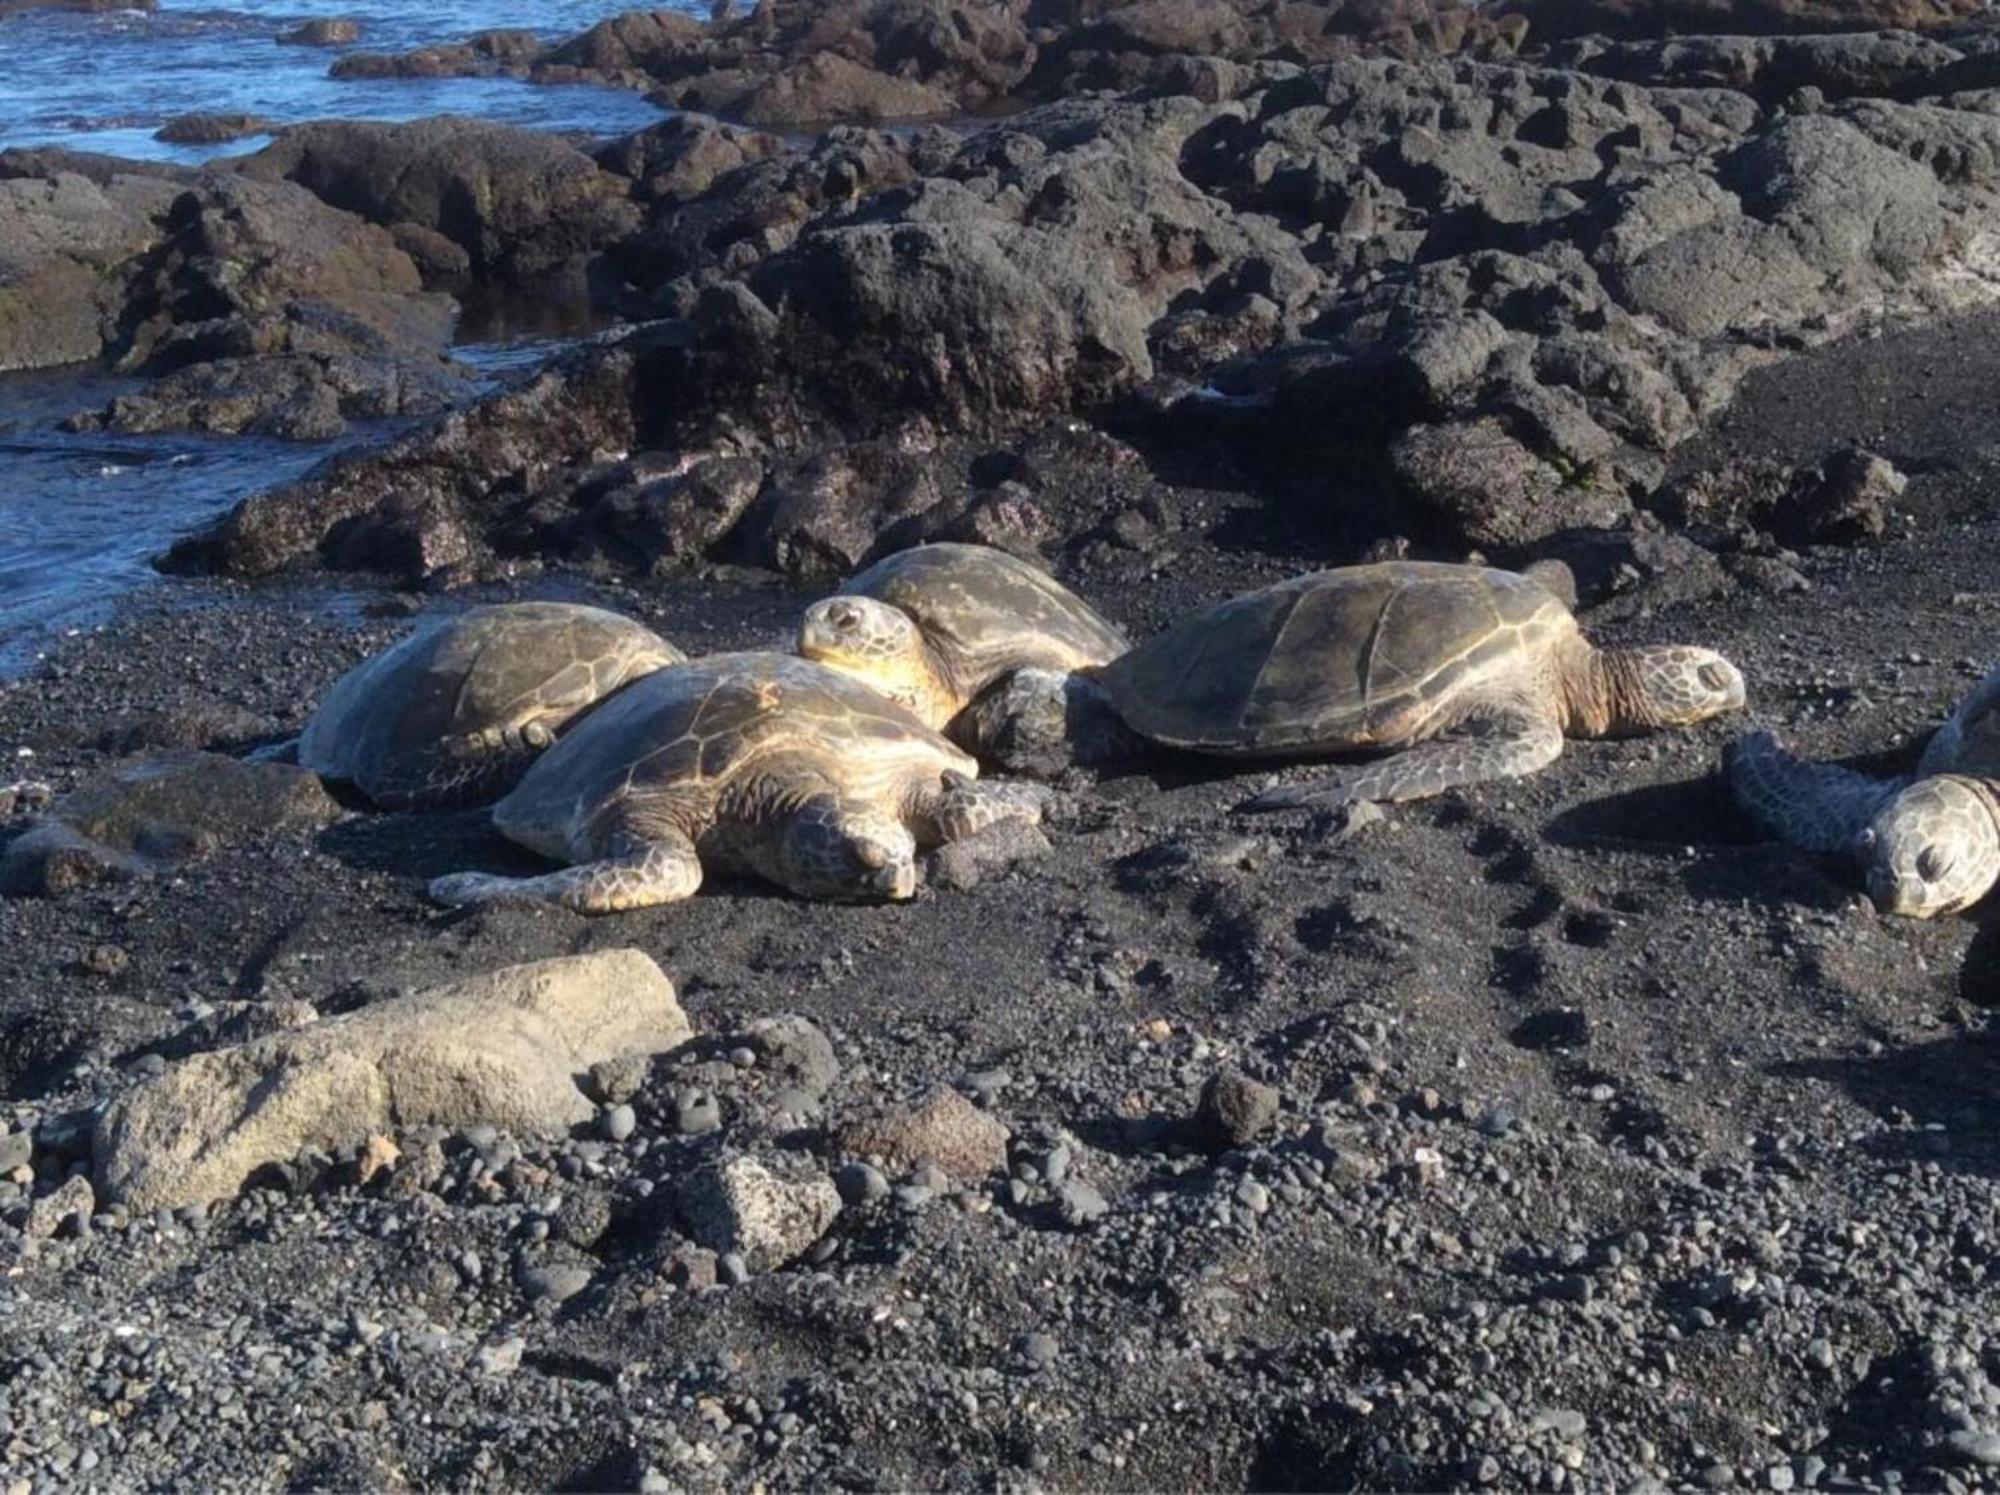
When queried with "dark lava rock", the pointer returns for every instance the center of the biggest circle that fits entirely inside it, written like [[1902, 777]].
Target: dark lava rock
[[1842, 500], [819, 521], [157, 811], [1476, 481], [528, 210], [303, 397], [211, 129], [681, 158], [269, 311], [1235, 1110], [253, 267], [334, 32], [827, 88], [958, 866], [485, 455], [1482, 301], [680, 515], [1551, 19], [193, 723], [64, 242]]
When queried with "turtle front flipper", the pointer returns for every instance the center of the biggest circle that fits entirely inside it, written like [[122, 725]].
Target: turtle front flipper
[[637, 874], [1496, 745], [1813, 806]]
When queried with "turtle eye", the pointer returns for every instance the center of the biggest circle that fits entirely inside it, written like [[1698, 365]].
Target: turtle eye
[[1713, 676], [843, 617], [1932, 863], [1865, 840], [872, 855]]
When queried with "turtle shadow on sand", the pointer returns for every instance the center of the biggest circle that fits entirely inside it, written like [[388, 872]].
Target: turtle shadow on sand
[[424, 845], [1164, 771], [1979, 972], [1743, 865], [1949, 1087], [427, 845]]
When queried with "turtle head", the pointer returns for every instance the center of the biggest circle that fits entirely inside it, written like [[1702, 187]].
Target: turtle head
[[1644, 688], [1933, 849], [879, 645], [849, 856]]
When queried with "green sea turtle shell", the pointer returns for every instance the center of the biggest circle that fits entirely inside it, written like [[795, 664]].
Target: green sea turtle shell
[[691, 731], [1361, 657], [989, 612], [388, 724]]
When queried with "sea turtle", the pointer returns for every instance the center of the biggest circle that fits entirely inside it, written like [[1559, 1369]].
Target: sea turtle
[[1462, 672], [935, 626], [1929, 842], [456, 711], [756, 762]]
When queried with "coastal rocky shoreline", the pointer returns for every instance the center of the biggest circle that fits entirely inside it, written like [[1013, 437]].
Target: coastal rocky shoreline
[[1553, 1135]]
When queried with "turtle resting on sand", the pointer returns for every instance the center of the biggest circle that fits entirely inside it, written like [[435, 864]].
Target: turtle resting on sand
[[936, 626], [454, 713], [761, 763], [1929, 842], [1459, 673]]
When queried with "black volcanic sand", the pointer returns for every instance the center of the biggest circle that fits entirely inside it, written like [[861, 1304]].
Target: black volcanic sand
[[1618, 1145]]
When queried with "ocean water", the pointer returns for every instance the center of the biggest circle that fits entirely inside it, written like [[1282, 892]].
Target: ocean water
[[83, 516], [106, 82]]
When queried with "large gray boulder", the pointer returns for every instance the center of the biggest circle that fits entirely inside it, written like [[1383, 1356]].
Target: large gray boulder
[[504, 1048]]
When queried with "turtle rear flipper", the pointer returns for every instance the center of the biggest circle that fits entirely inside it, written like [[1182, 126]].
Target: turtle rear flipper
[[1504, 744], [284, 750], [1969, 742], [1813, 806]]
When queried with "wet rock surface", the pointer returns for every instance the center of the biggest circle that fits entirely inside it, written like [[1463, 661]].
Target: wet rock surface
[[258, 307], [790, 65], [526, 210]]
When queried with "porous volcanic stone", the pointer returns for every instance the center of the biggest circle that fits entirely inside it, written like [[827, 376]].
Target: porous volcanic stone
[[502, 1048]]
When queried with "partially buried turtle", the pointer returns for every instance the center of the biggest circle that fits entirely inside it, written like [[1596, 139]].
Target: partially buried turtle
[[1459, 673], [936, 626], [454, 713], [760, 763], [1929, 843]]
